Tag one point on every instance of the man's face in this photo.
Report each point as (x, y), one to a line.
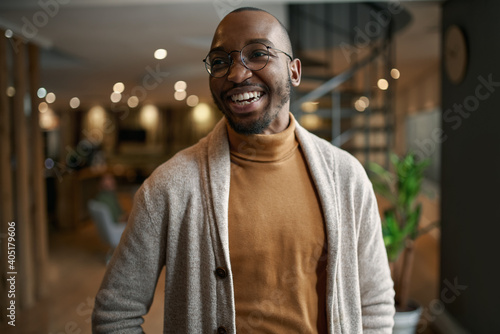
(267, 111)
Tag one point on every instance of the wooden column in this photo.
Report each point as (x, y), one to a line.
(24, 241)
(6, 200)
(66, 209)
(39, 209)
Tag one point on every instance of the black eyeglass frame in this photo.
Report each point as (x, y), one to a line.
(241, 59)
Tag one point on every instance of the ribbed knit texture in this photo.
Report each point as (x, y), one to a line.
(277, 242)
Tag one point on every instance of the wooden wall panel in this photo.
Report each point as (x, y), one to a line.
(25, 281)
(39, 208)
(6, 200)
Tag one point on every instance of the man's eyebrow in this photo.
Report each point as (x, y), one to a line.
(218, 48)
(261, 40)
(255, 40)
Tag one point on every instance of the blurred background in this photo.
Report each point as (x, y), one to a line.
(94, 95)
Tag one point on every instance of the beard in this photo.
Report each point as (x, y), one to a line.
(258, 126)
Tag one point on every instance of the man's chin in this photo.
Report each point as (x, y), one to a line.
(248, 126)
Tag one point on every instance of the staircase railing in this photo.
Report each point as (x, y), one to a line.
(332, 86)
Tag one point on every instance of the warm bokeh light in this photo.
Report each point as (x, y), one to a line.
(133, 101)
(362, 103)
(115, 97)
(365, 100)
(359, 105)
(48, 120)
(180, 95)
(95, 119)
(11, 91)
(74, 102)
(149, 116)
(160, 54)
(192, 100)
(118, 87)
(310, 122)
(9, 33)
(43, 107)
(50, 98)
(180, 86)
(383, 84)
(201, 113)
(395, 74)
(309, 106)
(41, 92)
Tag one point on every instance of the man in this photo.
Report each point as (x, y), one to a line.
(107, 195)
(262, 227)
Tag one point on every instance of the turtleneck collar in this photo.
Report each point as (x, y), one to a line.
(263, 148)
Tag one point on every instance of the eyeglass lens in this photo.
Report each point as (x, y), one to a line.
(254, 56)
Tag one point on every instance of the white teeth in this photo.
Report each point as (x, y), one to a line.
(246, 98)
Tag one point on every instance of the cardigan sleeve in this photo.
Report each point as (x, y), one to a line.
(376, 285)
(128, 287)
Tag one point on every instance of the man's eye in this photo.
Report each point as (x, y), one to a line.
(217, 62)
(259, 54)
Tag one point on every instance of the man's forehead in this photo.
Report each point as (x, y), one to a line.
(246, 26)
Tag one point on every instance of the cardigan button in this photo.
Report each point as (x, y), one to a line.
(221, 330)
(221, 272)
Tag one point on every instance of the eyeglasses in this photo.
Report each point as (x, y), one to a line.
(254, 56)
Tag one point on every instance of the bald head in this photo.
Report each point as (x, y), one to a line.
(258, 15)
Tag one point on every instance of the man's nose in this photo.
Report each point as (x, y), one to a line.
(238, 72)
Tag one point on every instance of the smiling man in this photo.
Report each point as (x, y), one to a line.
(262, 227)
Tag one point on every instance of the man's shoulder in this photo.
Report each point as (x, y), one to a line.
(184, 163)
(336, 158)
(186, 167)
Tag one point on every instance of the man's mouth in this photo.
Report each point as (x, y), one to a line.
(246, 98)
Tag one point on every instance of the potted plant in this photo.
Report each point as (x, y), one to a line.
(400, 227)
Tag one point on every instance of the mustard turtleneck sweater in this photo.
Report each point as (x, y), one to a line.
(277, 241)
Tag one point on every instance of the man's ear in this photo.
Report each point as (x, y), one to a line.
(295, 71)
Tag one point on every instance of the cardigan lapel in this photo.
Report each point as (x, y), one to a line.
(219, 167)
(321, 168)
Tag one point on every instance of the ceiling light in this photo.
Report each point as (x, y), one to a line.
(50, 98)
(180, 86)
(41, 92)
(383, 84)
(118, 87)
(192, 100)
(395, 73)
(180, 95)
(9, 33)
(160, 54)
(115, 97)
(74, 102)
(133, 101)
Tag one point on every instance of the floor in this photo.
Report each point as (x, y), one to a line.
(78, 264)
(76, 270)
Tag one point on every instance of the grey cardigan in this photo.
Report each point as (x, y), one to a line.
(180, 221)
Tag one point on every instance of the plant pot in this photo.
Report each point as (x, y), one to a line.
(406, 322)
